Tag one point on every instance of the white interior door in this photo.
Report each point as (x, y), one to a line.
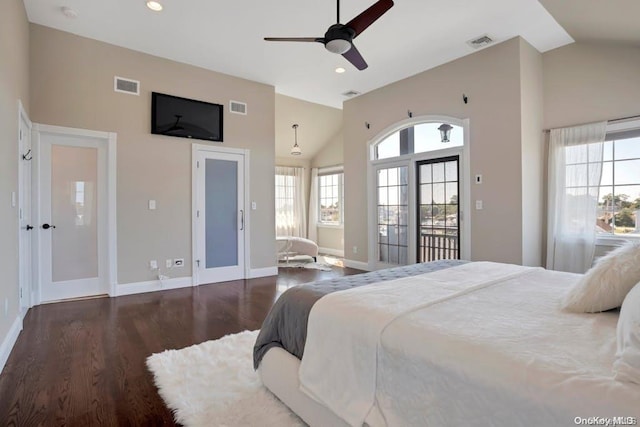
(73, 216)
(220, 220)
(25, 210)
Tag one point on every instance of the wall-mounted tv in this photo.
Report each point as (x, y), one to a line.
(185, 118)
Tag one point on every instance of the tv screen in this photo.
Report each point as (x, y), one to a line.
(185, 118)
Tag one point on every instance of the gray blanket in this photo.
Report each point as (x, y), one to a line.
(286, 324)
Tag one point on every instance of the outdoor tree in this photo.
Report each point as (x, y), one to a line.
(625, 218)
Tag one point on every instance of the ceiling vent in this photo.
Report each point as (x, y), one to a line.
(479, 42)
(120, 84)
(351, 93)
(237, 107)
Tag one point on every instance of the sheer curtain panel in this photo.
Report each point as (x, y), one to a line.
(575, 170)
(291, 217)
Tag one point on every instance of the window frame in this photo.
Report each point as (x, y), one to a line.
(612, 239)
(322, 172)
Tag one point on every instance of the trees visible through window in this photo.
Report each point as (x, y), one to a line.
(331, 199)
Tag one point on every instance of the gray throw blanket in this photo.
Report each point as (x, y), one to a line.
(286, 324)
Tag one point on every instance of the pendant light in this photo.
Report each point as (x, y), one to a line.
(296, 151)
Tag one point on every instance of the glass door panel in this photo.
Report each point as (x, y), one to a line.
(438, 209)
(393, 214)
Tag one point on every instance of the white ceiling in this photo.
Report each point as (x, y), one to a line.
(413, 36)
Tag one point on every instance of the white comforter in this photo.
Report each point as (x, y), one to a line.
(478, 344)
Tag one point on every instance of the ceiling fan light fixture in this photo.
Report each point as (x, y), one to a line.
(338, 46)
(154, 5)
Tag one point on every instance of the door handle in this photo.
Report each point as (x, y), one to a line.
(29, 227)
(47, 226)
(241, 219)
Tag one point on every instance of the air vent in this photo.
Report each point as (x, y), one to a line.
(351, 93)
(120, 84)
(237, 107)
(479, 42)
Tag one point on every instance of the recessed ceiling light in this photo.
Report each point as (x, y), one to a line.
(69, 12)
(340, 70)
(154, 5)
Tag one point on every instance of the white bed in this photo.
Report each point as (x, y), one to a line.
(479, 344)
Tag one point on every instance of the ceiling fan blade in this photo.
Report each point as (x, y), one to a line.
(353, 56)
(295, 39)
(369, 16)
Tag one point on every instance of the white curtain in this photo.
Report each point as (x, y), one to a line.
(291, 217)
(313, 206)
(575, 169)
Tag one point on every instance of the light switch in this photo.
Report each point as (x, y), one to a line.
(254, 206)
(479, 205)
(152, 205)
(13, 199)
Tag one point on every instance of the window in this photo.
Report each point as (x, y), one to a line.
(619, 189)
(420, 138)
(290, 211)
(331, 198)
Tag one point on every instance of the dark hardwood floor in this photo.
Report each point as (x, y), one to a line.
(82, 363)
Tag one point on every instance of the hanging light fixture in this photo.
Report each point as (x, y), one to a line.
(445, 132)
(295, 150)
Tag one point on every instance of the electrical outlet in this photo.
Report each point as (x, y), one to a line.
(355, 249)
(178, 262)
(168, 263)
(153, 264)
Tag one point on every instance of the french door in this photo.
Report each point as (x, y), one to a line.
(220, 217)
(438, 226)
(418, 215)
(73, 211)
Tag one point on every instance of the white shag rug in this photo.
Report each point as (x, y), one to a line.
(214, 384)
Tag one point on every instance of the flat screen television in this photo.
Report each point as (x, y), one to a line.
(185, 118)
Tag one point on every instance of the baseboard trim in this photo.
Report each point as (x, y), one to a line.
(254, 273)
(9, 341)
(153, 286)
(329, 251)
(357, 264)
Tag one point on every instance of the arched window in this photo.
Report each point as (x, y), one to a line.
(418, 138)
(418, 174)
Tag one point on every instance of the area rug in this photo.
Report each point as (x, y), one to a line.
(214, 384)
(309, 265)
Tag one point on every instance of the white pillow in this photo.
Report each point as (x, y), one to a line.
(605, 285)
(627, 364)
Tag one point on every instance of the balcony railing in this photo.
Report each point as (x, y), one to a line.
(439, 243)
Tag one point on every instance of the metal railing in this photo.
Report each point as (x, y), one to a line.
(439, 243)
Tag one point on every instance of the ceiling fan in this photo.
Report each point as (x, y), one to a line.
(339, 37)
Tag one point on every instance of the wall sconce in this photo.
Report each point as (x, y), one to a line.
(295, 150)
(445, 132)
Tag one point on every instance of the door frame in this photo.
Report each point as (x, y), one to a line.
(109, 140)
(195, 148)
(25, 296)
(411, 160)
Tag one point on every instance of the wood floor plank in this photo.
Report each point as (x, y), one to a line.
(82, 363)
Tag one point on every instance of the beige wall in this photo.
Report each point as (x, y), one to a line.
(491, 80)
(72, 85)
(586, 82)
(531, 103)
(14, 86)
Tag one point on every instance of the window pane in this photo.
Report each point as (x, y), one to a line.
(382, 177)
(627, 148)
(438, 172)
(608, 151)
(425, 173)
(382, 196)
(392, 176)
(393, 234)
(627, 172)
(425, 194)
(576, 175)
(607, 173)
(438, 193)
(393, 195)
(390, 147)
(452, 193)
(451, 171)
